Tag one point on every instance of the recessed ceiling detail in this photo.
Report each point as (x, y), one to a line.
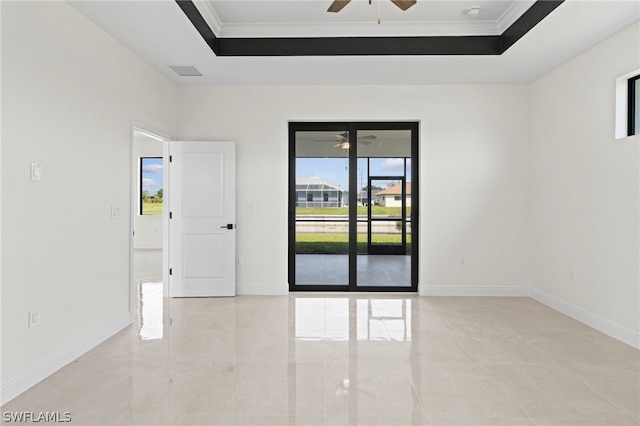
(217, 21)
(160, 33)
(308, 18)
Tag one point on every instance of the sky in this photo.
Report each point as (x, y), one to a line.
(333, 170)
(336, 170)
(151, 175)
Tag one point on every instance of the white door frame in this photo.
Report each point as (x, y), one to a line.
(164, 138)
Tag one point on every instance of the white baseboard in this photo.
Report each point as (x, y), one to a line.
(55, 362)
(610, 328)
(494, 291)
(262, 289)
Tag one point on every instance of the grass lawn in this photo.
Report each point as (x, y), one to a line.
(335, 243)
(151, 208)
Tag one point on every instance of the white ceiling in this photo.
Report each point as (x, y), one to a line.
(160, 33)
(309, 18)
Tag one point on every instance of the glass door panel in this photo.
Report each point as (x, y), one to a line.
(321, 208)
(384, 225)
(386, 217)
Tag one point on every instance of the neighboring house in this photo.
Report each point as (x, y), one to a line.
(392, 196)
(363, 198)
(317, 192)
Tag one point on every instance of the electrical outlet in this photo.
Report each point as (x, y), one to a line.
(34, 319)
(36, 172)
(463, 262)
(572, 276)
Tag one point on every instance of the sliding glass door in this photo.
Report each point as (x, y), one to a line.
(319, 207)
(352, 206)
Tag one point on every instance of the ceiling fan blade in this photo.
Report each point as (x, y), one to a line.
(337, 5)
(404, 4)
(339, 138)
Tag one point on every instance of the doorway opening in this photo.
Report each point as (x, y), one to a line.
(353, 197)
(149, 223)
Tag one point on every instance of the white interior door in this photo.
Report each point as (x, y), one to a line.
(202, 236)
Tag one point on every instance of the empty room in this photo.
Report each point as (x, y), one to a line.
(372, 212)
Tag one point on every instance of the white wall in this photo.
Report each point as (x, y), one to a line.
(148, 228)
(475, 183)
(69, 95)
(494, 161)
(586, 189)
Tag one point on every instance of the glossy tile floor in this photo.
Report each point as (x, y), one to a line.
(342, 359)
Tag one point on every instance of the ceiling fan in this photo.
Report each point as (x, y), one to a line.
(343, 140)
(338, 5)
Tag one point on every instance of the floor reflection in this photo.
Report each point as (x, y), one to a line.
(361, 348)
(321, 319)
(385, 319)
(149, 289)
(340, 319)
(150, 311)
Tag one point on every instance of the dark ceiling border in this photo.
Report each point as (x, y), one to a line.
(339, 46)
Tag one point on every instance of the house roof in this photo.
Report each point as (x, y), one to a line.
(315, 183)
(395, 190)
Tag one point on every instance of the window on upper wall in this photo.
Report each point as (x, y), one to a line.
(151, 185)
(633, 108)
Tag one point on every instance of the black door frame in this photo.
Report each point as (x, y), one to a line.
(353, 128)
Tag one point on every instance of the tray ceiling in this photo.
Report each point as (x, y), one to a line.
(309, 18)
(160, 33)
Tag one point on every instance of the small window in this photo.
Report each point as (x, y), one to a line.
(633, 109)
(325, 196)
(151, 185)
(309, 196)
(397, 197)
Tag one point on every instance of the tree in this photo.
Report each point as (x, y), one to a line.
(373, 188)
(159, 194)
